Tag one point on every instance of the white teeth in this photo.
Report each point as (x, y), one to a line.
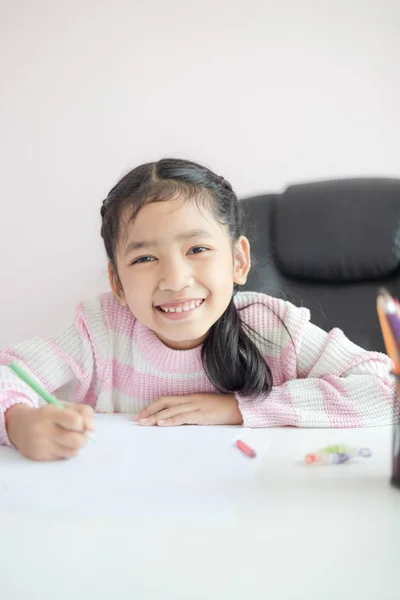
(185, 307)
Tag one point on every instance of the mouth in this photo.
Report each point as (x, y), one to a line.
(180, 310)
(179, 307)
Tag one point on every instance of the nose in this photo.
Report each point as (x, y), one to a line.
(176, 275)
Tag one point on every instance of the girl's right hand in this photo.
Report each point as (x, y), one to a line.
(49, 432)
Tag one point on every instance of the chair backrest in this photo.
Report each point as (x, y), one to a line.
(329, 246)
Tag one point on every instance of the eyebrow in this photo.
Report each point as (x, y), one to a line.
(139, 245)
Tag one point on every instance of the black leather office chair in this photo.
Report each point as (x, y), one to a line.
(329, 246)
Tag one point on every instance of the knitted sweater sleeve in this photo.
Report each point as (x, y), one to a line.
(63, 364)
(323, 379)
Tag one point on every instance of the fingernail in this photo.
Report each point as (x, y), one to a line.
(90, 424)
(143, 421)
(160, 422)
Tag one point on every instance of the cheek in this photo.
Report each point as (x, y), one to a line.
(135, 286)
(219, 274)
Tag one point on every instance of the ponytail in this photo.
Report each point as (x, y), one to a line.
(231, 360)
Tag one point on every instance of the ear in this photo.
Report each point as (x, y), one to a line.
(116, 285)
(242, 260)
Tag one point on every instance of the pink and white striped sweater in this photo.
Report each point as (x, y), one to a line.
(111, 361)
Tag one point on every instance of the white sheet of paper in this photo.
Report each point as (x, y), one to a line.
(134, 470)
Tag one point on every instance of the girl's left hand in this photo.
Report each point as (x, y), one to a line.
(195, 409)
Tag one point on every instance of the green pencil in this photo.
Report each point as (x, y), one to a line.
(39, 389)
(35, 385)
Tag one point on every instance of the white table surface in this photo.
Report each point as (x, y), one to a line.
(319, 533)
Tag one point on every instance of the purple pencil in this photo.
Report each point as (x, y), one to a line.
(392, 314)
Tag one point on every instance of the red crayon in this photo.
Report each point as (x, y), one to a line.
(246, 449)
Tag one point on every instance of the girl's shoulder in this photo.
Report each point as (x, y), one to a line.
(264, 313)
(104, 310)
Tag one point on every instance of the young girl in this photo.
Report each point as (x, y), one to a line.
(174, 344)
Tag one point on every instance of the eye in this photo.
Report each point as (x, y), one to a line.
(197, 250)
(143, 259)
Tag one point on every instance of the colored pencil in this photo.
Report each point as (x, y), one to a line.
(389, 339)
(245, 448)
(391, 313)
(39, 389)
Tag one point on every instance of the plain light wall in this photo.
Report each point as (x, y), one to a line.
(266, 93)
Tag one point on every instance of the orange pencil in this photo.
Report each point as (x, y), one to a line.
(392, 348)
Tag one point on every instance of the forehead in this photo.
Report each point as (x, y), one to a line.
(166, 219)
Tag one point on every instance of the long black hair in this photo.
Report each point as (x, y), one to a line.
(231, 359)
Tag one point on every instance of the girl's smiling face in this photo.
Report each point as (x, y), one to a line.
(176, 269)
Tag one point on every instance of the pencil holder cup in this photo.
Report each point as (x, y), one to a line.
(396, 436)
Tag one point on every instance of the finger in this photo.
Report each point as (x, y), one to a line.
(190, 418)
(167, 413)
(67, 418)
(160, 404)
(87, 413)
(64, 452)
(69, 439)
(46, 456)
